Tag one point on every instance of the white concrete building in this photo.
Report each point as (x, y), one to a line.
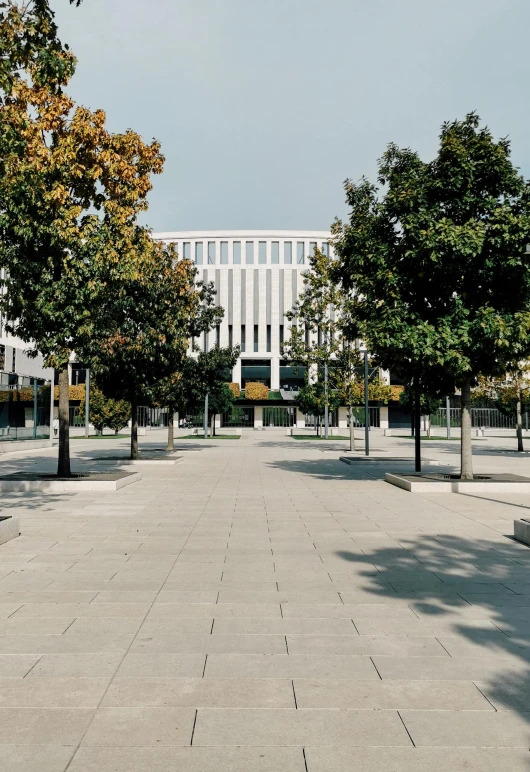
(258, 278)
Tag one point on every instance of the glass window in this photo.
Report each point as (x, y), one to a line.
(218, 335)
(224, 252)
(236, 255)
(243, 338)
(2, 357)
(211, 253)
(269, 338)
(249, 252)
(262, 252)
(256, 337)
(14, 363)
(275, 252)
(186, 250)
(198, 253)
(230, 336)
(288, 252)
(325, 248)
(281, 334)
(312, 247)
(300, 252)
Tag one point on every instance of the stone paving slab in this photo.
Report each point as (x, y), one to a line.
(265, 607)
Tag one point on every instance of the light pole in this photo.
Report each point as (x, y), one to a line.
(205, 422)
(366, 407)
(326, 409)
(448, 416)
(87, 403)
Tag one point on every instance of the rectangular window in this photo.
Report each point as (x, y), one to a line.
(275, 252)
(307, 338)
(236, 253)
(186, 250)
(218, 335)
(325, 248)
(312, 247)
(230, 336)
(14, 363)
(249, 252)
(300, 256)
(198, 253)
(256, 337)
(206, 341)
(262, 252)
(2, 357)
(269, 338)
(211, 253)
(224, 252)
(243, 338)
(288, 252)
(281, 335)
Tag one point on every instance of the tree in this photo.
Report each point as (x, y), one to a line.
(324, 334)
(313, 398)
(428, 404)
(209, 373)
(438, 265)
(510, 394)
(69, 195)
(105, 411)
(148, 321)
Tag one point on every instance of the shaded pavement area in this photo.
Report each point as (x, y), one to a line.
(262, 606)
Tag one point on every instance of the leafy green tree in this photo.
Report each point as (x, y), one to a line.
(438, 264)
(148, 320)
(209, 373)
(70, 192)
(105, 411)
(318, 337)
(312, 399)
(428, 404)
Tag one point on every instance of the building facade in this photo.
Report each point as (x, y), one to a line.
(258, 279)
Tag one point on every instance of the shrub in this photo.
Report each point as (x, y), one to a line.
(234, 388)
(256, 391)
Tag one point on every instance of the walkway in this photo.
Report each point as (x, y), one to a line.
(262, 608)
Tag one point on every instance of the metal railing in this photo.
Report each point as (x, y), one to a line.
(481, 417)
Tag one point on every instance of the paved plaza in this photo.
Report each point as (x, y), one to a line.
(263, 607)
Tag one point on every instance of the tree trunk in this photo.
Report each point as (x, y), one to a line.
(520, 446)
(417, 430)
(352, 431)
(429, 427)
(63, 464)
(466, 460)
(134, 428)
(212, 420)
(170, 431)
(412, 423)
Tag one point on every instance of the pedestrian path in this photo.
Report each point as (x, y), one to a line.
(263, 607)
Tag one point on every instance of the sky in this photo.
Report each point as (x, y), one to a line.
(265, 107)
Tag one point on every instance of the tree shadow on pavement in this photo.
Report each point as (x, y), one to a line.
(478, 589)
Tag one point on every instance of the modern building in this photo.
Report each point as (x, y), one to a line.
(258, 278)
(24, 391)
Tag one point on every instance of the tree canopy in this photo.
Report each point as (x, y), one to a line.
(434, 263)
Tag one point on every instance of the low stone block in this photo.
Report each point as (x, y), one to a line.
(51, 484)
(521, 531)
(9, 528)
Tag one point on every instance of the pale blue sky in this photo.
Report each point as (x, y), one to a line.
(264, 107)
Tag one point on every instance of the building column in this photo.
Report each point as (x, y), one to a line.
(383, 417)
(275, 373)
(258, 417)
(300, 419)
(343, 417)
(236, 374)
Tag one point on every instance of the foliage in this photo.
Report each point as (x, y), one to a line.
(256, 391)
(235, 389)
(428, 404)
(220, 400)
(105, 411)
(70, 192)
(312, 399)
(438, 262)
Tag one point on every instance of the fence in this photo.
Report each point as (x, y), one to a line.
(481, 417)
(279, 416)
(240, 417)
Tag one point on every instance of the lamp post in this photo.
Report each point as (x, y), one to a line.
(87, 403)
(448, 416)
(205, 422)
(326, 409)
(366, 407)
